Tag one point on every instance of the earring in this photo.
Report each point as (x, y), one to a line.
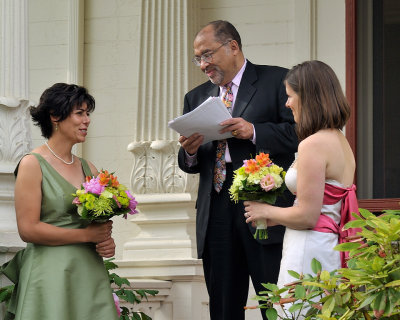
(56, 126)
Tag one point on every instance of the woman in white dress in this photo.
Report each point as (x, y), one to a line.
(325, 166)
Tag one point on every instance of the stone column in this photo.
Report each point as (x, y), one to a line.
(15, 138)
(165, 247)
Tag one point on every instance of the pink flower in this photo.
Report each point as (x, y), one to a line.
(267, 183)
(94, 186)
(132, 203)
(116, 301)
(76, 201)
(116, 200)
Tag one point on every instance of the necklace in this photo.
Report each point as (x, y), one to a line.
(59, 158)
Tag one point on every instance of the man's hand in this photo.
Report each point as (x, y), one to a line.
(191, 144)
(240, 128)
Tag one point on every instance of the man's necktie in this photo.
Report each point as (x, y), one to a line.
(220, 164)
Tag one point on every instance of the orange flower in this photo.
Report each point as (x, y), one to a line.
(251, 166)
(104, 178)
(114, 181)
(263, 159)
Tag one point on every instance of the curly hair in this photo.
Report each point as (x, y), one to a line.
(59, 101)
(323, 104)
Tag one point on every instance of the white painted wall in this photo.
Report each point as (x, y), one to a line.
(265, 27)
(48, 49)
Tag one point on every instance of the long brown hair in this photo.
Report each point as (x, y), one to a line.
(322, 102)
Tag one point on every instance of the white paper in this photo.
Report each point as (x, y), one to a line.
(205, 120)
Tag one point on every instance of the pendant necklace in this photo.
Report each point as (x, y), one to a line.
(59, 158)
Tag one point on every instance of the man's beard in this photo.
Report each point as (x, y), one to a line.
(218, 76)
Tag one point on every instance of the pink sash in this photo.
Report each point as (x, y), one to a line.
(332, 195)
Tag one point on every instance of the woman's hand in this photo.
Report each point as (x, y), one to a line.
(99, 232)
(106, 249)
(257, 211)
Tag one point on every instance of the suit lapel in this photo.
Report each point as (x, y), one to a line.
(246, 90)
(213, 91)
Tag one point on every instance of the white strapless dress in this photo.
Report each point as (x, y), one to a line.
(301, 246)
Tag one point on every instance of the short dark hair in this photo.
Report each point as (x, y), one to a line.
(59, 101)
(323, 104)
(224, 31)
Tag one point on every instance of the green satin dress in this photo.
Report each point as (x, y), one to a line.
(67, 282)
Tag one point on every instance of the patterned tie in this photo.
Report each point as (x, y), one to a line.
(220, 164)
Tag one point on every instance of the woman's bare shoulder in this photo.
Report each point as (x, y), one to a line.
(29, 160)
(29, 169)
(320, 139)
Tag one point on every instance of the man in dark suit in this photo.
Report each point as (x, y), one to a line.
(260, 122)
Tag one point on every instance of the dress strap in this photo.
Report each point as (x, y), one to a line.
(86, 168)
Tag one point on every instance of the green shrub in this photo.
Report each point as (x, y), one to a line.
(368, 289)
(126, 294)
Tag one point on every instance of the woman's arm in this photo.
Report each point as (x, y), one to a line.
(28, 197)
(311, 167)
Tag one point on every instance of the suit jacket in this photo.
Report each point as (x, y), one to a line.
(261, 101)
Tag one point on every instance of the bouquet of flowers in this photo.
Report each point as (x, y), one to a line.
(102, 197)
(261, 180)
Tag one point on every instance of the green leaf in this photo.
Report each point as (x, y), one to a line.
(271, 314)
(136, 316)
(315, 266)
(109, 264)
(365, 213)
(294, 274)
(325, 275)
(300, 292)
(368, 300)
(120, 281)
(394, 283)
(270, 286)
(151, 292)
(347, 246)
(355, 224)
(328, 305)
(315, 284)
(129, 296)
(296, 307)
(377, 302)
(6, 293)
(145, 316)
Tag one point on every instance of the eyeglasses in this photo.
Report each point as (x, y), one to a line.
(208, 56)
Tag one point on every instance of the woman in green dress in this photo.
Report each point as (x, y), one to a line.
(60, 273)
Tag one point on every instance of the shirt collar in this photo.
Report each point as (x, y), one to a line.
(236, 80)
